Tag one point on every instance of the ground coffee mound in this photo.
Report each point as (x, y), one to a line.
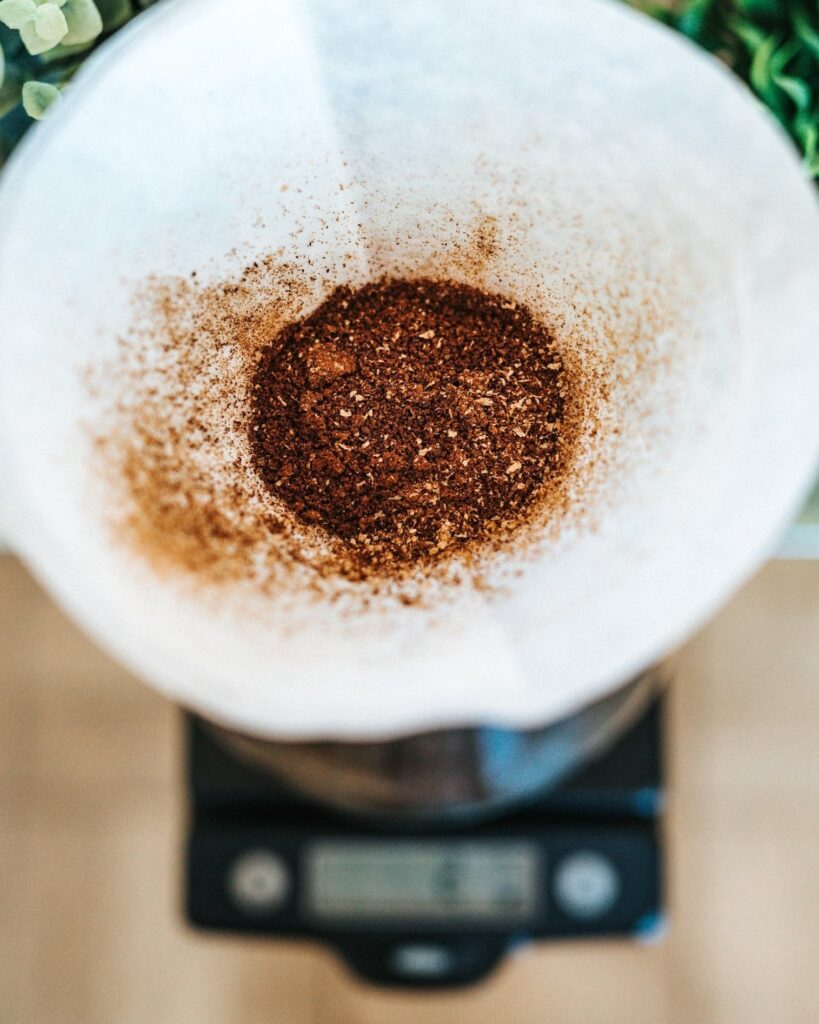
(408, 417)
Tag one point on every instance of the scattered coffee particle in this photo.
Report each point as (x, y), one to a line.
(325, 361)
(409, 418)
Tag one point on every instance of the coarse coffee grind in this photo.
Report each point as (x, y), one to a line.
(409, 418)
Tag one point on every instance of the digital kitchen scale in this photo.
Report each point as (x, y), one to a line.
(435, 905)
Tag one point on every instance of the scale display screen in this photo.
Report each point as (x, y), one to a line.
(441, 882)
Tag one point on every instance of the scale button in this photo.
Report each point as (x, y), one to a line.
(258, 881)
(586, 885)
(416, 960)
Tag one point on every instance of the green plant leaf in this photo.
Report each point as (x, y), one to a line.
(806, 32)
(114, 13)
(760, 73)
(760, 8)
(60, 52)
(750, 35)
(692, 20)
(84, 21)
(15, 13)
(798, 91)
(792, 85)
(33, 41)
(50, 23)
(806, 128)
(784, 55)
(38, 97)
(809, 137)
(9, 96)
(2, 66)
(655, 10)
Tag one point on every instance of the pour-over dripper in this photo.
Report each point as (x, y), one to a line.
(624, 183)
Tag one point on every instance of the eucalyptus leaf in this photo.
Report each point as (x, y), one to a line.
(15, 13)
(38, 97)
(32, 39)
(84, 21)
(50, 23)
(60, 52)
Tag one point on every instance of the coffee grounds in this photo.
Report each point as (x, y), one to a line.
(409, 418)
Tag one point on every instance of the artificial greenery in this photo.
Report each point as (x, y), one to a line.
(772, 44)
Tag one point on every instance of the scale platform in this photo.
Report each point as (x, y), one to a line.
(437, 906)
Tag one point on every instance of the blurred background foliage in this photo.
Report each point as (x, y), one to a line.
(772, 44)
(42, 45)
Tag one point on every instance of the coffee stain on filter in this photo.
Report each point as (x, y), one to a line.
(172, 444)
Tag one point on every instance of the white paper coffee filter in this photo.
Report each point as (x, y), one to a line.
(626, 187)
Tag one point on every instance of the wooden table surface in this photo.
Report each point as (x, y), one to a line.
(91, 818)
